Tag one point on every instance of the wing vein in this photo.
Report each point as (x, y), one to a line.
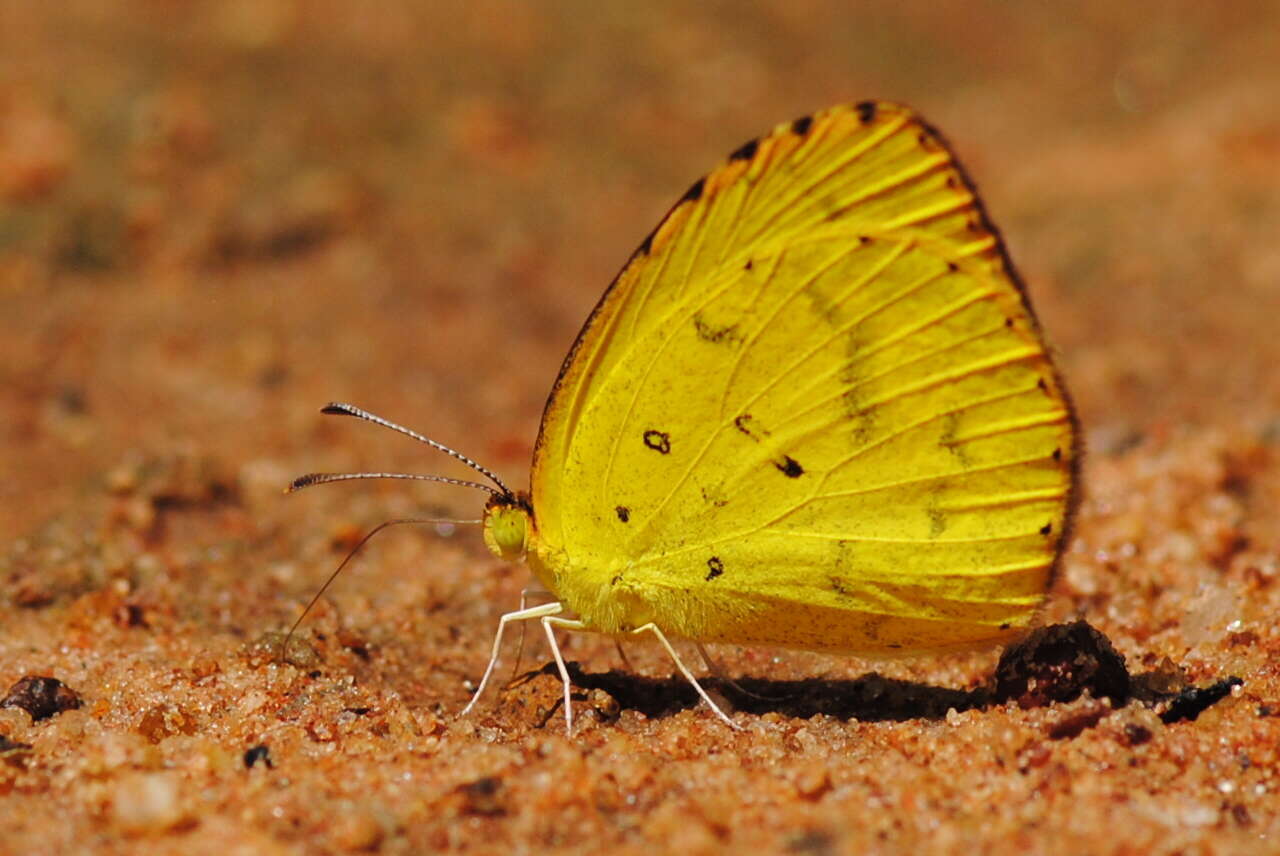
(769, 222)
(929, 479)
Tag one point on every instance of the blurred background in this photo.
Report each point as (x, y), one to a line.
(216, 216)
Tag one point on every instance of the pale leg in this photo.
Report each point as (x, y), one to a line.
(547, 613)
(622, 655)
(525, 595)
(714, 668)
(539, 611)
(570, 624)
(567, 624)
(684, 670)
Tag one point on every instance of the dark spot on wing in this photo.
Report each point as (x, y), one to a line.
(746, 151)
(659, 441)
(749, 425)
(790, 467)
(1046, 529)
(715, 568)
(937, 523)
(1044, 387)
(871, 626)
(863, 419)
(1008, 322)
(840, 587)
(1005, 626)
(694, 192)
(846, 555)
(952, 267)
(713, 496)
(624, 513)
(748, 265)
(800, 126)
(1057, 454)
(727, 334)
(616, 579)
(948, 438)
(866, 110)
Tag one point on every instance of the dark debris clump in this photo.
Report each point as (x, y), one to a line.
(41, 697)
(258, 754)
(7, 745)
(1057, 664)
(1193, 701)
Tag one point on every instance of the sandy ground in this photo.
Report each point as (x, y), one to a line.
(217, 216)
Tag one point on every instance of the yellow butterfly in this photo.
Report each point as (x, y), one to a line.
(814, 410)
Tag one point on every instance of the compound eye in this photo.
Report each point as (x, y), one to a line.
(506, 531)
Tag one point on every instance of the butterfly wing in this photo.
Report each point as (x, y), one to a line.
(815, 409)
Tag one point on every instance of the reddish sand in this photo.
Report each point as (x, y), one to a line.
(217, 216)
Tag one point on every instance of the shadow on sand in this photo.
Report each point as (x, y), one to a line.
(1052, 664)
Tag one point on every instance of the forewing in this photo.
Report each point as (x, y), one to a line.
(818, 386)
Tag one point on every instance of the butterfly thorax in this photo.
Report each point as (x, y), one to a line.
(511, 533)
(594, 589)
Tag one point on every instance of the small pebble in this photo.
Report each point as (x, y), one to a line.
(358, 830)
(165, 720)
(256, 754)
(812, 781)
(41, 697)
(147, 802)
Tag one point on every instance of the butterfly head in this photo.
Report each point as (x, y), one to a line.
(508, 524)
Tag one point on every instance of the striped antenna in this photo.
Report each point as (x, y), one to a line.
(324, 478)
(343, 409)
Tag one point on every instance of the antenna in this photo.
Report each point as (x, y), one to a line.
(324, 478)
(284, 646)
(344, 409)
